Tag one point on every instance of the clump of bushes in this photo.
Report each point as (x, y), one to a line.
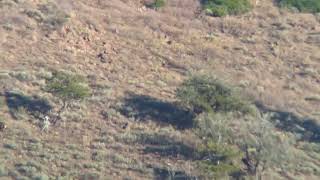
(309, 6)
(67, 88)
(226, 7)
(232, 143)
(240, 145)
(218, 157)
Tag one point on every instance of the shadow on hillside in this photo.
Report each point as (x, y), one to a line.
(143, 107)
(287, 121)
(164, 145)
(171, 150)
(32, 105)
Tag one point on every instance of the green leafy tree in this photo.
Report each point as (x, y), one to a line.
(251, 141)
(68, 88)
(218, 157)
(263, 146)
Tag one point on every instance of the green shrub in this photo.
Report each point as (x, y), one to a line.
(218, 157)
(214, 126)
(256, 138)
(218, 160)
(310, 6)
(206, 94)
(158, 4)
(217, 171)
(68, 88)
(264, 147)
(226, 7)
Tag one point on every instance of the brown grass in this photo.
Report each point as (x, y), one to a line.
(273, 53)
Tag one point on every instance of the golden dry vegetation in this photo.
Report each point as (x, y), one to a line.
(134, 58)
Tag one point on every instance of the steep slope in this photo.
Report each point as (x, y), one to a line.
(123, 47)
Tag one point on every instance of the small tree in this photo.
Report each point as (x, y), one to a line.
(218, 161)
(218, 157)
(229, 140)
(68, 88)
(263, 146)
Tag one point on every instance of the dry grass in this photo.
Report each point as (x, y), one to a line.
(272, 53)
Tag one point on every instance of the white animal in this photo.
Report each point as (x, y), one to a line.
(46, 124)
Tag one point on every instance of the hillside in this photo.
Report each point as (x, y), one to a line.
(135, 58)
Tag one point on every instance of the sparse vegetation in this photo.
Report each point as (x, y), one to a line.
(226, 7)
(218, 157)
(29, 169)
(48, 15)
(40, 177)
(309, 6)
(21, 76)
